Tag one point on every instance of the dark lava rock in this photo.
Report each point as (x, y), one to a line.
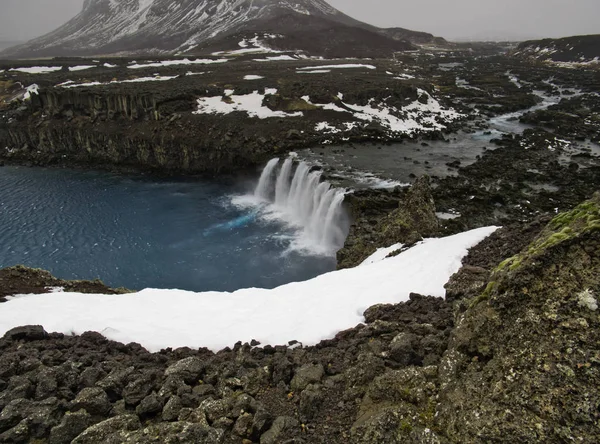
(94, 400)
(412, 218)
(27, 333)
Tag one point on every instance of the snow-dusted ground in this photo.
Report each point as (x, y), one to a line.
(37, 69)
(252, 104)
(253, 77)
(81, 67)
(251, 46)
(176, 62)
(71, 84)
(305, 311)
(315, 71)
(31, 89)
(414, 117)
(283, 57)
(340, 66)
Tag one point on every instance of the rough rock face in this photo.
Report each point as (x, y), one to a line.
(412, 219)
(523, 362)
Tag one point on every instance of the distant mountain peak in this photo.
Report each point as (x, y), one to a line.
(168, 26)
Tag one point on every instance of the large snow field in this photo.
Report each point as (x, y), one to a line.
(307, 311)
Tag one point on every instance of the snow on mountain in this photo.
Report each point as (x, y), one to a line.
(307, 311)
(167, 26)
(583, 49)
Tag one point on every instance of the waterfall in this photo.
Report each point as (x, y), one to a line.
(298, 194)
(264, 183)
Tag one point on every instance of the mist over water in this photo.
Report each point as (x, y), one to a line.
(139, 232)
(296, 195)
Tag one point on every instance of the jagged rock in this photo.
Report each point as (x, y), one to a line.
(467, 280)
(137, 390)
(27, 333)
(90, 376)
(172, 408)
(71, 426)
(278, 430)
(149, 406)
(189, 369)
(261, 422)
(412, 219)
(110, 431)
(177, 433)
(116, 380)
(215, 409)
(307, 374)
(243, 425)
(402, 349)
(39, 416)
(94, 400)
(17, 434)
(47, 384)
(310, 402)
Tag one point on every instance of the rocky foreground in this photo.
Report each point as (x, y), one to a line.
(511, 355)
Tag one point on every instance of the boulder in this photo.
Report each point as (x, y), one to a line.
(307, 374)
(94, 400)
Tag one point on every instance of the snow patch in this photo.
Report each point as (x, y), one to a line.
(417, 116)
(275, 58)
(316, 71)
(308, 311)
(81, 67)
(176, 62)
(31, 89)
(253, 77)
(70, 84)
(37, 69)
(341, 66)
(252, 104)
(380, 254)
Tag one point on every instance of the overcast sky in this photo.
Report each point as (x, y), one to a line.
(452, 19)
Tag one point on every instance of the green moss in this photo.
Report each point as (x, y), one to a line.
(565, 226)
(505, 263)
(586, 213)
(405, 427)
(485, 295)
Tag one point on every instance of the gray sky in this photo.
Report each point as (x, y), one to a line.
(452, 19)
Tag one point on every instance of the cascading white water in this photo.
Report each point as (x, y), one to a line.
(299, 195)
(264, 183)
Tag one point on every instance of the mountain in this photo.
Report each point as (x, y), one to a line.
(576, 49)
(171, 26)
(416, 37)
(8, 44)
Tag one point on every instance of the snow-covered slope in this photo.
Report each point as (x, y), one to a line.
(129, 26)
(577, 49)
(305, 311)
